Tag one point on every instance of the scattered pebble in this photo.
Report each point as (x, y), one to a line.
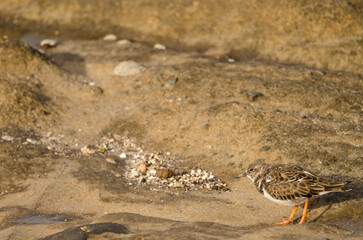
(110, 160)
(33, 141)
(48, 43)
(110, 37)
(123, 42)
(102, 149)
(265, 148)
(206, 126)
(316, 74)
(87, 151)
(85, 229)
(253, 95)
(156, 169)
(127, 68)
(142, 168)
(159, 46)
(164, 173)
(171, 81)
(7, 138)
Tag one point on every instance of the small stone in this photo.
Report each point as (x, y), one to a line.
(134, 173)
(206, 126)
(48, 43)
(253, 95)
(164, 173)
(265, 148)
(110, 160)
(7, 138)
(87, 151)
(110, 37)
(102, 149)
(127, 68)
(141, 180)
(156, 164)
(85, 229)
(159, 46)
(230, 60)
(123, 42)
(171, 81)
(142, 168)
(123, 155)
(33, 141)
(316, 74)
(118, 175)
(178, 185)
(227, 155)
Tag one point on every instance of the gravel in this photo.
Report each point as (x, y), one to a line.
(153, 168)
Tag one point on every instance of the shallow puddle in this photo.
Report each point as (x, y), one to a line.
(41, 218)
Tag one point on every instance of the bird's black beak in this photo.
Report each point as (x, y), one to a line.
(244, 174)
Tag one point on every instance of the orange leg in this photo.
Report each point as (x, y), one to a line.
(289, 220)
(304, 216)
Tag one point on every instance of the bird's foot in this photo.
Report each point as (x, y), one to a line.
(284, 222)
(304, 218)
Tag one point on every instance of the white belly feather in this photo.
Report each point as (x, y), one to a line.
(284, 202)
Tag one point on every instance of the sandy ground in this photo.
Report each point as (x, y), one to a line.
(192, 109)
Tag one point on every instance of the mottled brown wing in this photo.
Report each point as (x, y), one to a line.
(286, 182)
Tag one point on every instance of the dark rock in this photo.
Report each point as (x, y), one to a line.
(207, 126)
(76, 233)
(265, 148)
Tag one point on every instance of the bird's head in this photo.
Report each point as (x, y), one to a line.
(253, 171)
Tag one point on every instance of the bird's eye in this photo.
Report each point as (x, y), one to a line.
(251, 169)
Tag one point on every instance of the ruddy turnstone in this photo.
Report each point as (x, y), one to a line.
(288, 185)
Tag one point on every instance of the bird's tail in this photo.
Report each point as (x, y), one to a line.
(334, 187)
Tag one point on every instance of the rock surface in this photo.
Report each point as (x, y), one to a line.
(319, 34)
(69, 128)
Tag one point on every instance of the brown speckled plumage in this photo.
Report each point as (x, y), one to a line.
(288, 185)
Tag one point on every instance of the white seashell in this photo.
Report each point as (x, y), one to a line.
(48, 43)
(110, 160)
(159, 46)
(110, 37)
(7, 138)
(127, 68)
(123, 42)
